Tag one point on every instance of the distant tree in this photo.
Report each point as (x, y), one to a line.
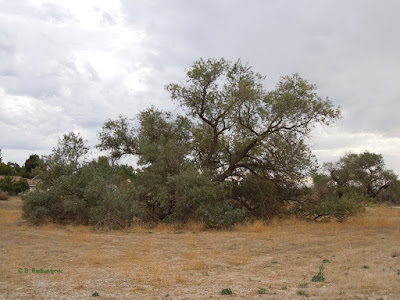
(364, 172)
(1, 158)
(16, 167)
(65, 159)
(10, 185)
(6, 170)
(30, 164)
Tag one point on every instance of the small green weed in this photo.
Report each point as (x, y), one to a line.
(326, 261)
(365, 267)
(178, 232)
(320, 276)
(284, 287)
(262, 291)
(398, 272)
(226, 292)
(395, 254)
(302, 293)
(303, 285)
(95, 294)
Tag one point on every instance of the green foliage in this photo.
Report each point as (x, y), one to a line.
(41, 205)
(6, 170)
(15, 167)
(238, 143)
(331, 206)
(93, 193)
(320, 276)
(10, 185)
(302, 293)
(226, 292)
(261, 291)
(239, 150)
(364, 173)
(30, 164)
(95, 294)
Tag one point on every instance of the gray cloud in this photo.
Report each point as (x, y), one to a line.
(74, 65)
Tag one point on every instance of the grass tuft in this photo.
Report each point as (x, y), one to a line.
(226, 292)
(320, 276)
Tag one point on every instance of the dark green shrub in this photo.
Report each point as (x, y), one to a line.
(262, 291)
(94, 194)
(41, 205)
(332, 206)
(226, 292)
(10, 185)
(220, 214)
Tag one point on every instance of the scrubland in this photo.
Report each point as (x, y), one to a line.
(278, 260)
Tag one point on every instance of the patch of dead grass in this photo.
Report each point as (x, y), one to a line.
(135, 264)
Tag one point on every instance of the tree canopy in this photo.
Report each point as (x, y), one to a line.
(364, 172)
(236, 150)
(234, 130)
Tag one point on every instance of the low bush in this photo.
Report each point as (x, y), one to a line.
(4, 196)
(94, 195)
(331, 206)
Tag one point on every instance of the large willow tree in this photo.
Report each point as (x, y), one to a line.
(236, 136)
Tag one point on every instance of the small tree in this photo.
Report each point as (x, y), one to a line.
(6, 169)
(30, 164)
(364, 172)
(11, 186)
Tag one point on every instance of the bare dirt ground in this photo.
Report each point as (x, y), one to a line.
(361, 259)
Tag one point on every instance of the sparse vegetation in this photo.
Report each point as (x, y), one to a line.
(320, 276)
(227, 291)
(302, 293)
(4, 196)
(136, 259)
(303, 285)
(261, 291)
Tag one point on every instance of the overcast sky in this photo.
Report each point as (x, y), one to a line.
(71, 65)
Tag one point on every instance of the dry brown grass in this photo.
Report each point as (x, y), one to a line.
(193, 263)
